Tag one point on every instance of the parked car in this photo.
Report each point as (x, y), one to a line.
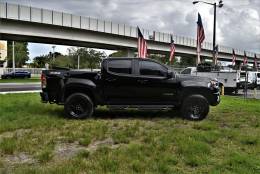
(16, 74)
(129, 83)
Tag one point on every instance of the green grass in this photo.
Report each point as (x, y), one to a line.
(26, 80)
(227, 141)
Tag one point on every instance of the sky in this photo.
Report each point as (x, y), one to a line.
(238, 21)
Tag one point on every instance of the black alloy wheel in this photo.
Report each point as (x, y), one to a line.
(79, 106)
(195, 107)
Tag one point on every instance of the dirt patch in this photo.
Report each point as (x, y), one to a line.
(6, 135)
(68, 150)
(62, 151)
(96, 144)
(18, 133)
(21, 158)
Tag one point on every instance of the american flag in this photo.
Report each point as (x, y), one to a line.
(172, 54)
(200, 33)
(256, 64)
(234, 58)
(245, 58)
(142, 45)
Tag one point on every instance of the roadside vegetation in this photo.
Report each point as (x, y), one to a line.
(27, 80)
(36, 138)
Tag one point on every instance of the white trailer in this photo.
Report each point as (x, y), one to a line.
(228, 78)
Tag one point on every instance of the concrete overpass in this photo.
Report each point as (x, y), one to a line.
(23, 23)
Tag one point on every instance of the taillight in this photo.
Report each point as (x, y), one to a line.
(43, 81)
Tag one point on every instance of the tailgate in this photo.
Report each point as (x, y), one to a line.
(52, 85)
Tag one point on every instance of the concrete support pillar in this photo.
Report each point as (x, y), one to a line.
(130, 53)
(13, 58)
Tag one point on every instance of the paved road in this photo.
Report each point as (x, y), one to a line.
(4, 87)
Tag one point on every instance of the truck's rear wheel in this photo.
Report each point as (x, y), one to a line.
(79, 106)
(195, 107)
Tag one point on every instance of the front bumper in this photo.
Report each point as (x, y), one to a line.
(216, 99)
(44, 97)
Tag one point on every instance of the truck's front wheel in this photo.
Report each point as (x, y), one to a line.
(195, 107)
(78, 106)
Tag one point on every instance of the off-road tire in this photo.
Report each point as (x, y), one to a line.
(78, 106)
(195, 107)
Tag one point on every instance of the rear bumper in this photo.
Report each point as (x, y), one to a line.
(44, 97)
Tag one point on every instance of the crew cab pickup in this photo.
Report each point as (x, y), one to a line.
(129, 83)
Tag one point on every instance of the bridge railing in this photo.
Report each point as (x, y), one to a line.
(44, 16)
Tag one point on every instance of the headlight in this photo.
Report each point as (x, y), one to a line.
(213, 84)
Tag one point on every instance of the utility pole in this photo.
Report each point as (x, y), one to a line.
(13, 58)
(78, 54)
(78, 60)
(214, 36)
(53, 55)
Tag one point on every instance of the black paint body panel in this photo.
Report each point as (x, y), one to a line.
(111, 88)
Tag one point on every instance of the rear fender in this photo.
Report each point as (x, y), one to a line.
(79, 85)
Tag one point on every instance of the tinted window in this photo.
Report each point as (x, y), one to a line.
(186, 71)
(120, 66)
(258, 75)
(152, 69)
(242, 74)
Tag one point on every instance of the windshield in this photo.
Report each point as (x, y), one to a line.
(186, 71)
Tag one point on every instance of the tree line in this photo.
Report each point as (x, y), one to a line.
(88, 58)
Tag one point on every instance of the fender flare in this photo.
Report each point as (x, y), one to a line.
(85, 84)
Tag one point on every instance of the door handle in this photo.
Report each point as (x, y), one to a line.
(110, 79)
(142, 81)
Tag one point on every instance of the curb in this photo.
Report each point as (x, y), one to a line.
(20, 92)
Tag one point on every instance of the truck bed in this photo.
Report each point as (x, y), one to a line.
(57, 79)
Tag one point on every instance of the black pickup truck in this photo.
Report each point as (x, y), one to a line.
(129, 83)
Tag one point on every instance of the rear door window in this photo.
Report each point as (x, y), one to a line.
(148, 68)
(120, 66)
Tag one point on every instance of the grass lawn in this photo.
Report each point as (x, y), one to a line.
(30, 80)
(36, 138)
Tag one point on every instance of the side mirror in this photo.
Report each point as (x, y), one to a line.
(169, 74)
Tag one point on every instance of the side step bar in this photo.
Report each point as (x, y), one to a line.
(141, 107)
